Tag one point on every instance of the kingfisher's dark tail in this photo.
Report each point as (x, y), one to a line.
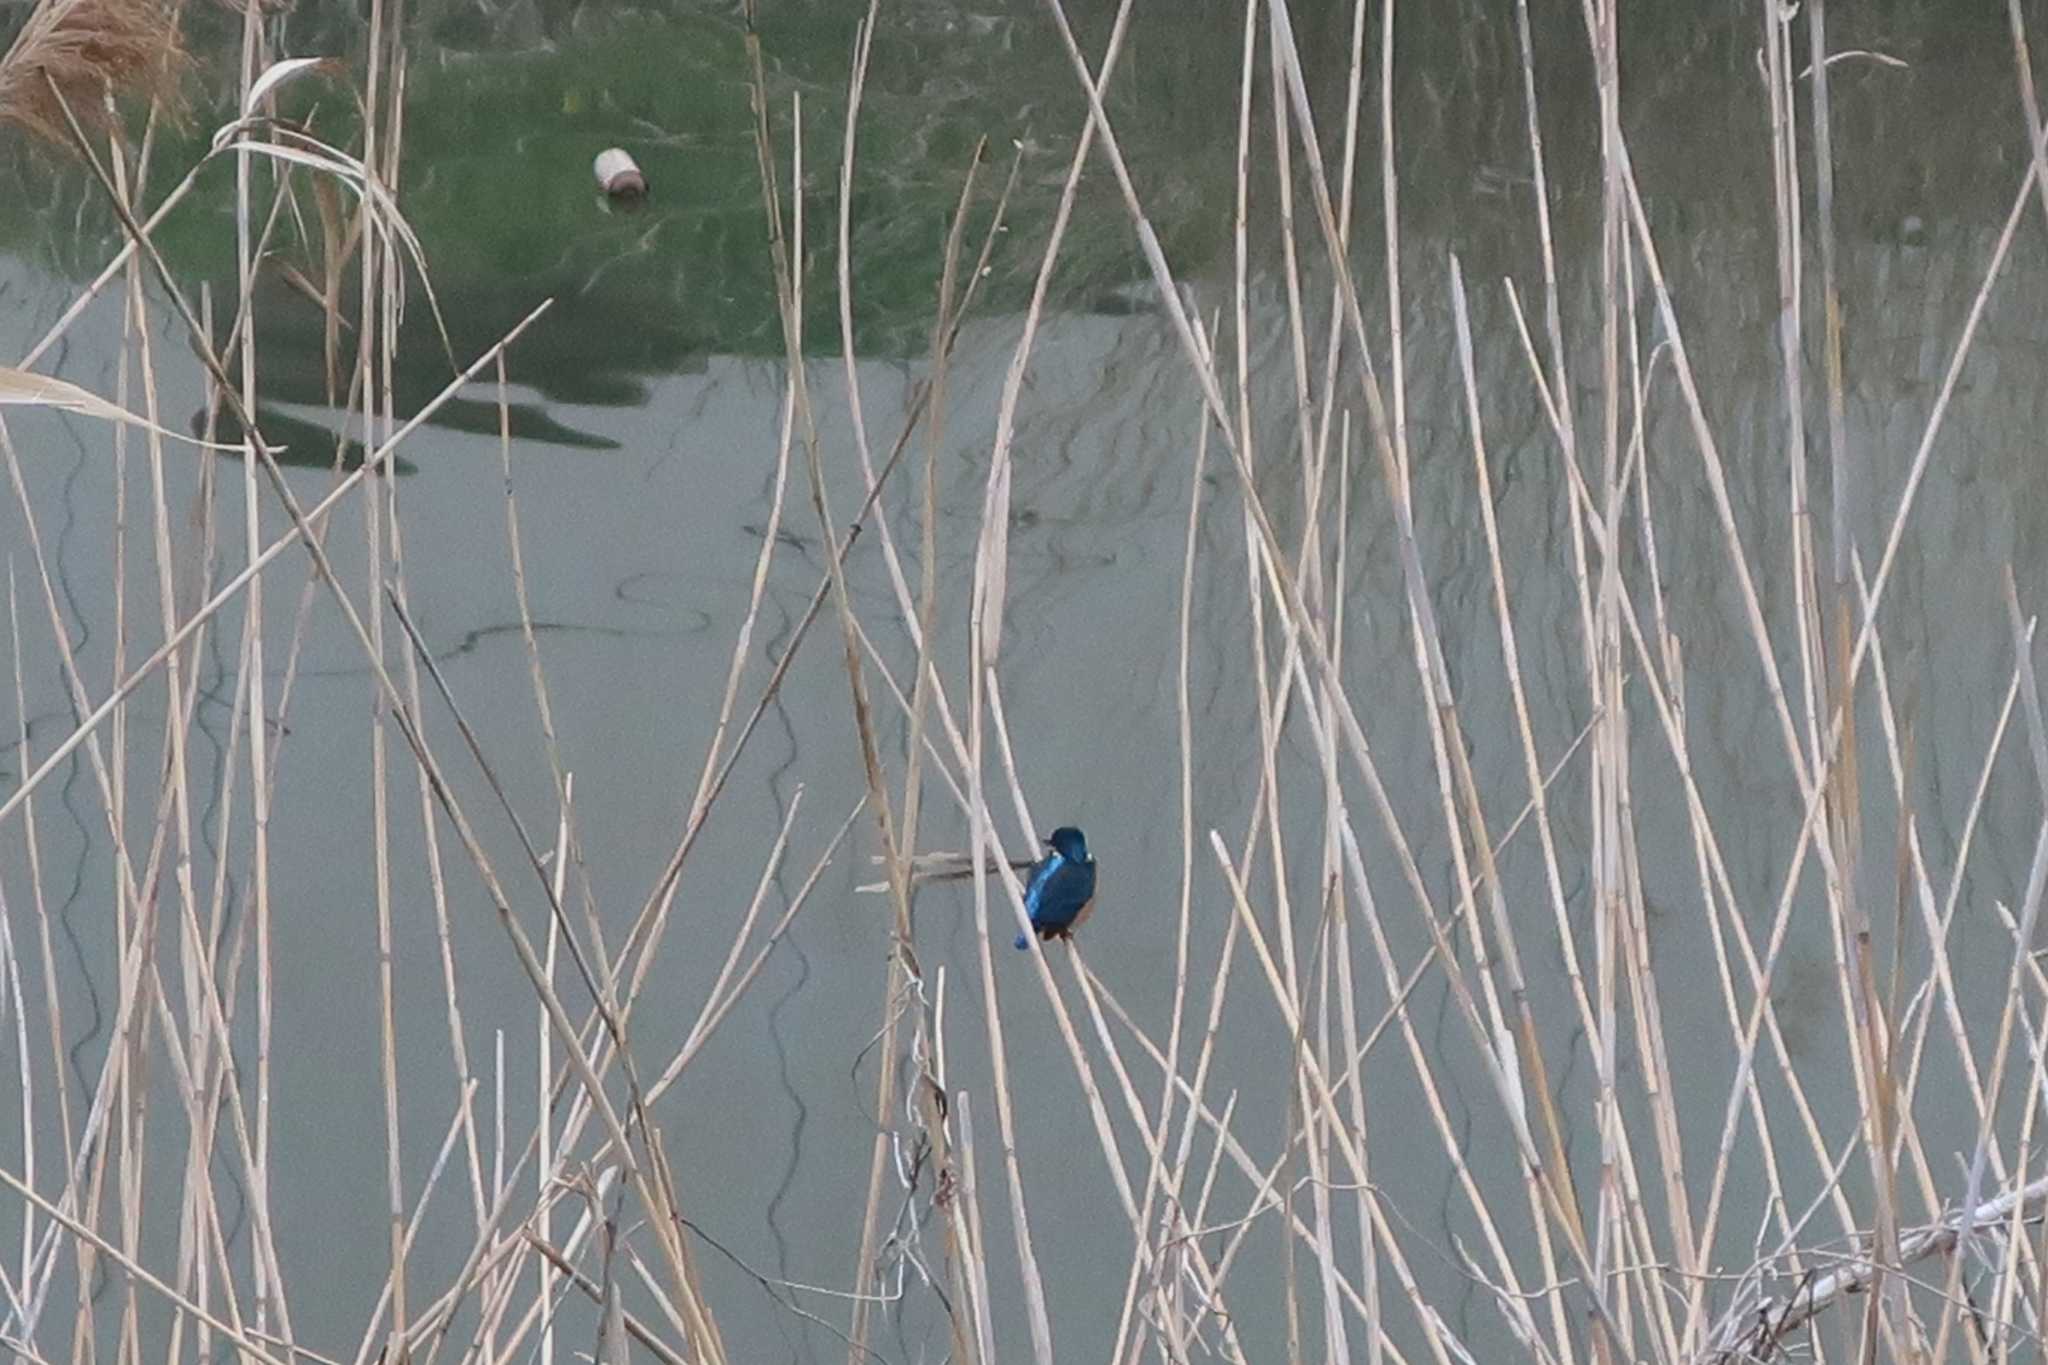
(1022, 943)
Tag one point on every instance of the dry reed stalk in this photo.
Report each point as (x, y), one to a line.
(1714, 877)
(1267, 818)
(1532, 766)
(115, 1087)
(1771, 1322)
(1197, 350)
(985, 635)
(386, 576)
(713, 786)
(666, 1224)
(648, 925)
(898, 860)
(1868, 1044)
(984, 639)
(168, 655)
(719, 1004)
(673, 1250)
(1446, 727)
(1613, 485)
(904, 970)
(1332, 937)
(1543, 1190)
(631, 1323)
(863, 44)
(960, 747)
(1348, 1143)
(458, 1042)
(1157, 1175)
(83, 732)
(52, 1005)
(963, 1257)
(1693, 408)
(210, 1056)
(1311, 567)
(569, 844)
(1190, 340)
(258, 713)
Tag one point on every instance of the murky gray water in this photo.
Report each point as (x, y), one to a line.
(644, 470)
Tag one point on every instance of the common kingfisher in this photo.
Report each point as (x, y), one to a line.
(1060, 891)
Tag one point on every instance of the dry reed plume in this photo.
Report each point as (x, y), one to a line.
(87, 53)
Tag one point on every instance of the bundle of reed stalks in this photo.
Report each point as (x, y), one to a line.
(1638, 1203)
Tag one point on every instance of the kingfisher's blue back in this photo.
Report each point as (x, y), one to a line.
(1060, 891)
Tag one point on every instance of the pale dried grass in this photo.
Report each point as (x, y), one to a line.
(89, 54)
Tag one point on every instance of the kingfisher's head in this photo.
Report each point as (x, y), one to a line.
(1069, 843)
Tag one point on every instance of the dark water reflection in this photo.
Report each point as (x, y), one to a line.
(649, 404)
